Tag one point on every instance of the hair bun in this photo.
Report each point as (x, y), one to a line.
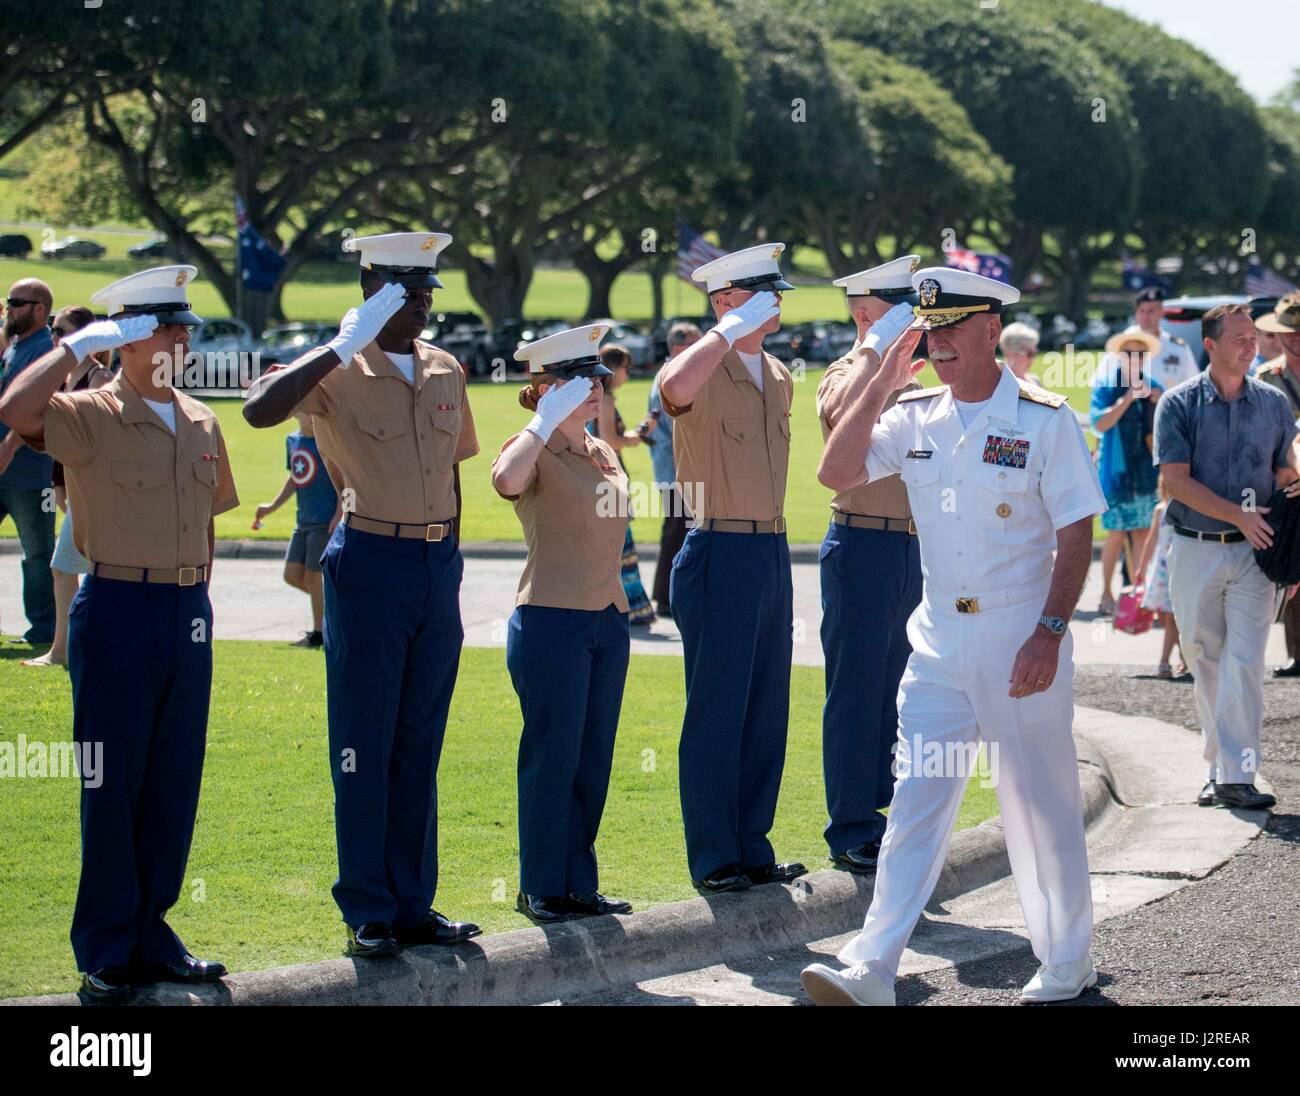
(528, 397)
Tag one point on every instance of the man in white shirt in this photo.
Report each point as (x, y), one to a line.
(1003, 493)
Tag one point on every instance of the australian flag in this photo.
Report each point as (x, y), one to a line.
(997, 267)
(260, 265)
(1135, 276)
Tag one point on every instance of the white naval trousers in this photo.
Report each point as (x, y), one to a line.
(954, 692)
(1224, 604)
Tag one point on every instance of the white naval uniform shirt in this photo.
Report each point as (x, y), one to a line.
(987, 498)
(1174, 364)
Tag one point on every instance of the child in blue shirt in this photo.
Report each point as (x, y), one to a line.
(318, 514)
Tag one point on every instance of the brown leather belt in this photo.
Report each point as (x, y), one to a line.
(182, 576)
(435, 531)
(870, 521)
(736, 525)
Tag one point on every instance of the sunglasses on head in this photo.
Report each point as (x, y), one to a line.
(18, 302)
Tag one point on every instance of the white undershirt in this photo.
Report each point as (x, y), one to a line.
(969, 411)
(404, 362)
(165, 411)
(754, 363)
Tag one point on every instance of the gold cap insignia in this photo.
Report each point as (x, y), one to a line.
(776, 252)
(429, 244)
(914, 266)
(596, 335)
(929, 292)
(180, 278)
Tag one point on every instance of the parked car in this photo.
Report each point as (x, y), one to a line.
(638, 344)
(72, 248)
(151, 249)
(1093, 336)
(1182, 316)
(839, 341)
(501, 342)
(224, 343)
(15, 246)
(285, 342)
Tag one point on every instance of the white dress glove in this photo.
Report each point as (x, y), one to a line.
(103, 335)
(749, 317)
(885, 331)
(361, 325)
(557, 404)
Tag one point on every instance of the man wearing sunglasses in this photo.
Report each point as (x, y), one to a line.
(25, 473)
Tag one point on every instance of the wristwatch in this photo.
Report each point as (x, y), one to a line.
(1053, 624)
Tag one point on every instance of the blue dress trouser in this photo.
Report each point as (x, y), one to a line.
(871, 583)
(392, 648)
(732, 597)
(568, 667)
(140, 659)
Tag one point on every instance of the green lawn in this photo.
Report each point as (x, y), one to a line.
(257, 886)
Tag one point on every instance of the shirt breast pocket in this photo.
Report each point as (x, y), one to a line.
(919, 474)
(141, 495)
(387, 456)
(740, 451)
(1003, 499)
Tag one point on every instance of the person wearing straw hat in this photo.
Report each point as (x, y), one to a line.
(731, 589)
(146, 470)
(1003, 492)
(392, 413)
(1123, 417)
(568, 639)
(870, 583)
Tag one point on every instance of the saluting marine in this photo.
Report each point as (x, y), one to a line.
(871, 581)
(391, 412)
(567, 647)
(146, 471)
(731, 589)
(999, 478)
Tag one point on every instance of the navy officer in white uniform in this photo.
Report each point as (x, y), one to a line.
(1003, 493)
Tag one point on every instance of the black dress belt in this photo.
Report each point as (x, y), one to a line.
(1227, 537)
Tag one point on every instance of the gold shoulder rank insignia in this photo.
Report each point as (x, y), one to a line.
(923, 393)
(1176, 340)
(1041, 395)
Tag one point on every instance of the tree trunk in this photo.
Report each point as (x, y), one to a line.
(255, 310)
(659, 268)
(499, 287)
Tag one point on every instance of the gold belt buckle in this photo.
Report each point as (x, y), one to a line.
(779, 525)
(968, 605)
(911, 526)
(191, 572)
(429, 530)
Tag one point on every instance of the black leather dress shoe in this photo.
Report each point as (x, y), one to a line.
(107, 984)
(1245, 796)
(775, 873)
(592, 904)
(861, 861)
(434, 928)
(723, 880)
(186, 969)
(1206, 796)
(1291, 669)
(543, 909)
(373, 940)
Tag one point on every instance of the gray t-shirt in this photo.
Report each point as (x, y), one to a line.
(1233, 447)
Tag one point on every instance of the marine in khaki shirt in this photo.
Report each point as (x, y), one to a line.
(396, 442)
(574, 512)
(143, 496)
(568, 640)
(887, 497)
(732, 442)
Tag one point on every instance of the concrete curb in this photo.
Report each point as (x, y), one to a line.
(531, 966)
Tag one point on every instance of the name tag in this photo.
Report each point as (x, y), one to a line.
(920, 454)
(1006, 452)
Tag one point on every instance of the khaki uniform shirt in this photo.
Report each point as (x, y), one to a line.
(732, 444)
(143, 496)
(883, 498)
(1278, 375)
(574, 510)
(395, 442)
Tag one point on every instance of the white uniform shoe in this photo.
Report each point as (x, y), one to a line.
(854, 986)
(1062, 982)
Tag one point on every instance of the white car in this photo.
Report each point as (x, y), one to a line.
(640, 346)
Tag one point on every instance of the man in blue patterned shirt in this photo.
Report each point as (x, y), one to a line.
(1224, 443)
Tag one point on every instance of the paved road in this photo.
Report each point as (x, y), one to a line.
(251, 601)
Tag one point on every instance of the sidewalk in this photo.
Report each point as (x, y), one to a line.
(251, 601)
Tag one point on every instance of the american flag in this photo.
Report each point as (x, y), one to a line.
(693, 251)
(1262, 282)
(997, 267)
